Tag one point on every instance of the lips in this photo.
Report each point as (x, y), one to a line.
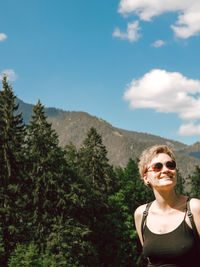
(167, 177)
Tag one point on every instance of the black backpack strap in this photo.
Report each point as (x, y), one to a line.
(144, 217)
(194, 228)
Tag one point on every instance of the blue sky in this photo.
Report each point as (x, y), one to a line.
(133, 63)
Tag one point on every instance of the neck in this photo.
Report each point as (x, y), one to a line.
(165, 200)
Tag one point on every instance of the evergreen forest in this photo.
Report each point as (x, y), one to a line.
(66, 206)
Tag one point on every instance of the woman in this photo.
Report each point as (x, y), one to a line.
(165, 229)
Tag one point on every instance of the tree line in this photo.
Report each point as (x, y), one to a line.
(65, 206)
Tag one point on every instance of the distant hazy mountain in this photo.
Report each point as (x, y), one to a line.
(26, 109)
(72, 126)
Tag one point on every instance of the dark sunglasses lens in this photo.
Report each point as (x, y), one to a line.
(157, 167)
(171, 165)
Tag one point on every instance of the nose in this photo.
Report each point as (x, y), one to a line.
(165, 169)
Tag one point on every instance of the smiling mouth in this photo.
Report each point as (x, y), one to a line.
(167, 177)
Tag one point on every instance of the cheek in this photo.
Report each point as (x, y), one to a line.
(154, 176)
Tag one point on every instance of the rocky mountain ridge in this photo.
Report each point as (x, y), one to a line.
(72, 126)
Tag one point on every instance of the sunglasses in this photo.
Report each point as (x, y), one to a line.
(158, 166)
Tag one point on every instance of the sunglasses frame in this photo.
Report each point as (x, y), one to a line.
(154, 169)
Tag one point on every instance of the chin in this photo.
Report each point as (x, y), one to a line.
(168, 182)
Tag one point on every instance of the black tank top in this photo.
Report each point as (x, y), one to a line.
(174, 249)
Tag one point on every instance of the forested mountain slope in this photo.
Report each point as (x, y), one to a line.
(72, 126)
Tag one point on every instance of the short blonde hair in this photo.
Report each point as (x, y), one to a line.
(149, 153)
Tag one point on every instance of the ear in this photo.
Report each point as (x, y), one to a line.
(145, 178)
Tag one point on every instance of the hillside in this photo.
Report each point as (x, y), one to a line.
(72, 126)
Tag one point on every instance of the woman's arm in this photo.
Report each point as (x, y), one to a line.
(195, 209)
(138, 219)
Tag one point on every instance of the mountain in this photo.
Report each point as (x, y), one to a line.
(72, 126)
(26, 110)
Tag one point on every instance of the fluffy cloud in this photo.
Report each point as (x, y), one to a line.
(167, 92)
(3, 36)
(188, 18)
(189, 129)
(11, 75)
(158, 43)
(131, 34)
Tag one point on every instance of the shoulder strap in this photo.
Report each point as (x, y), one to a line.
(194, 228)
(144, 217)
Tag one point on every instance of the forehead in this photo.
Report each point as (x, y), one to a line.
(161, 157)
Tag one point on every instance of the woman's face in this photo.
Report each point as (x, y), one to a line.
(163, 177)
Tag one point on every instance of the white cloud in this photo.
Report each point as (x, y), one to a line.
(11, 75)
(168, 92)
(158, 43)
(3, 36)
(189, 129)
(188, 18)
(188, 24)
(132, 32)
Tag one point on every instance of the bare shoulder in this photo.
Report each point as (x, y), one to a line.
(195, 209)
(195, 205)
(138, 219)
(139, 211)
(138, 215)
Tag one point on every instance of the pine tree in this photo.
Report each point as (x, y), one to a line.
(137, 193)
(49, 176)
(94, 167)
(180, 185)
(93, 161)
(68, 245)
(71, 155)
(195, 183)
(57, 194)
(131, 193)
(11, 172)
